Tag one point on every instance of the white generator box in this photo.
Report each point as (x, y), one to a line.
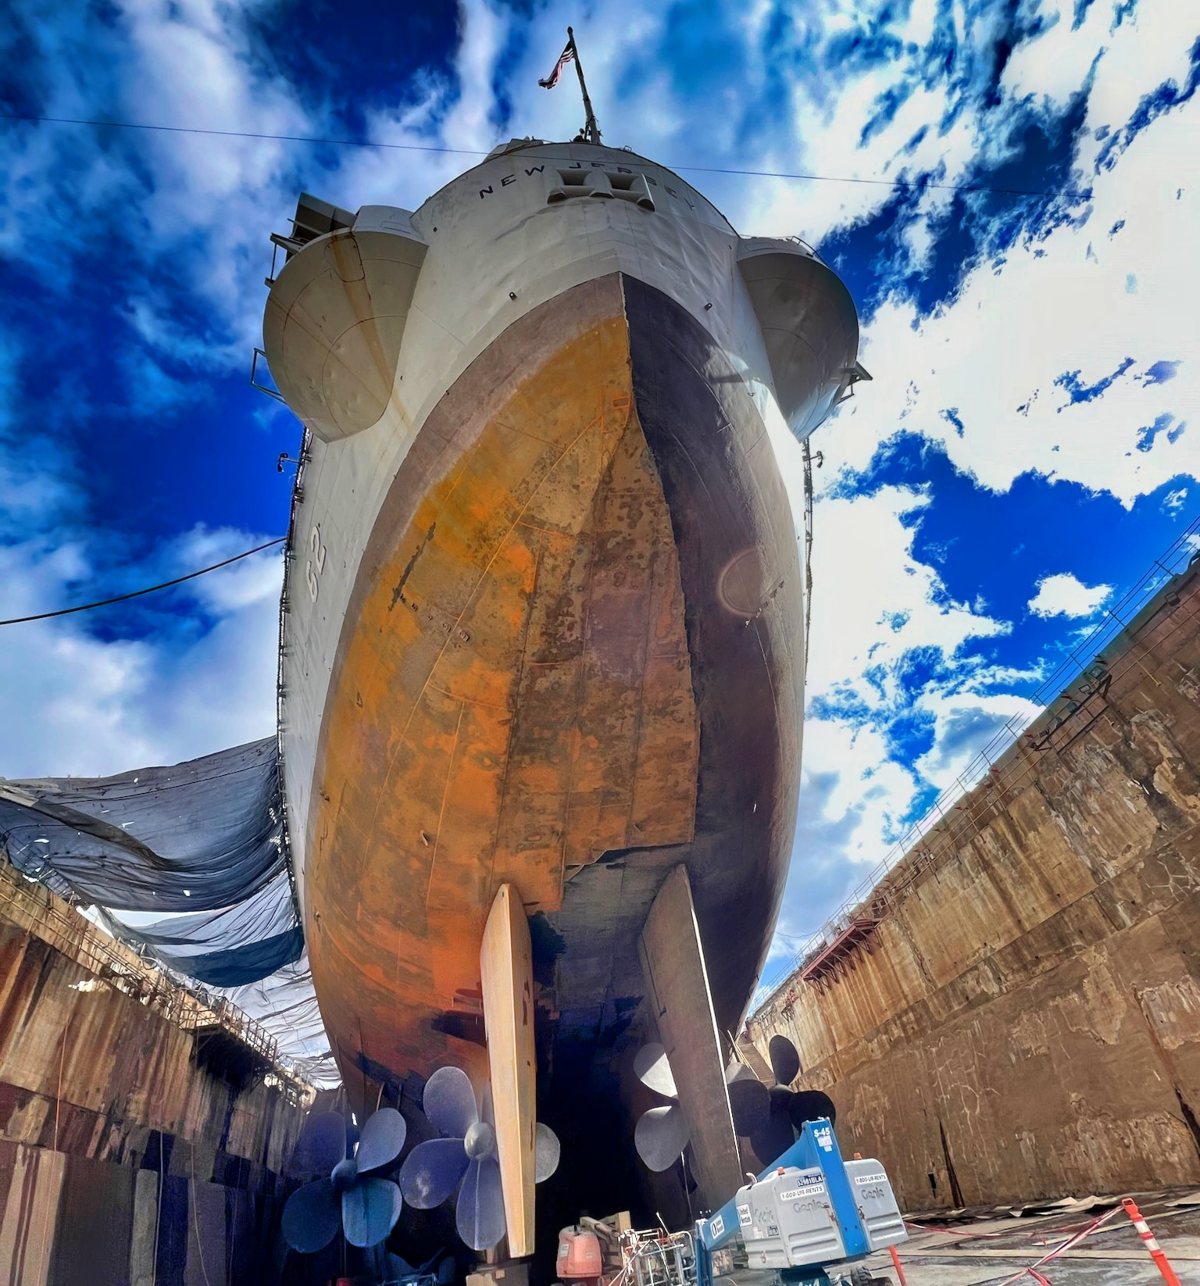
(786, 1220)
(876, 1204)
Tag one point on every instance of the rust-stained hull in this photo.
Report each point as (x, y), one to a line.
(571, 660)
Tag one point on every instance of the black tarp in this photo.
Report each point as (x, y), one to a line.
(204, 838)
(224, 967)
(226, 948)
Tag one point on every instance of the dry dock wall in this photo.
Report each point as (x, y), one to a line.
(1024, 1020)
(126, 1156)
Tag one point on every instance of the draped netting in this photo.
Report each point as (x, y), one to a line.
(188, 864)
(198, 836)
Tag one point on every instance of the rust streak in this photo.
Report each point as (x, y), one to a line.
(398, 590)
(517, 686)
(437, 839)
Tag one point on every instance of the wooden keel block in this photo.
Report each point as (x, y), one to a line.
(677, 983)
(506, 974)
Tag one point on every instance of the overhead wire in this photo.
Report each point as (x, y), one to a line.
(414, 147)
(919, 185)
(233, 133)
(149, 589)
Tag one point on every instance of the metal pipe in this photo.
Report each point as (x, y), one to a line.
(591, 130)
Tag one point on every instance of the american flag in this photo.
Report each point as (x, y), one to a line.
(567, 55)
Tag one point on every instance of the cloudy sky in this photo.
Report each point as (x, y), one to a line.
(1009, 189)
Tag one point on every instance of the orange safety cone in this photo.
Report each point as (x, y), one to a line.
(1150, 1242)
(896, 1264)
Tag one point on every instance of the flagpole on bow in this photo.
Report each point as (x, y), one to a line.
(591, 130)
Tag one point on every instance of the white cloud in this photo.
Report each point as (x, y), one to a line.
(1066, 595)
(75, 702)
(870, 792)
(965, 724)
(1056, 306)
(873, 601)
(1054, 64)
(482, 32)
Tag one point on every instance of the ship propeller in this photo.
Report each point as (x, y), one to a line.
(770, 1116)
(352, 1194)
(661, 1133)
(464, 1158)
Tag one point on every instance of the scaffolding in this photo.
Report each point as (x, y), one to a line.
(110, 963)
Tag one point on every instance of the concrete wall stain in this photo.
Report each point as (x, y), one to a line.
(1025, 1020)
(110, 1130)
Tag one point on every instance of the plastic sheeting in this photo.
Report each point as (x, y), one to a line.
(226, 948)
(286, 1005)
(205, 838)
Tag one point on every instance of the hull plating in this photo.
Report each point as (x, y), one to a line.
(571, 659)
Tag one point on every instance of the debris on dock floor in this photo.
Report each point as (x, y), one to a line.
(989, 1246)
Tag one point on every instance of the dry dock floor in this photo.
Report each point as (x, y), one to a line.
(987, 1247)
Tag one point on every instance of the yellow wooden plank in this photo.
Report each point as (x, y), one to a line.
(506, 975)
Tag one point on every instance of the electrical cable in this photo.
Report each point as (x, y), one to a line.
(233, 133)
(907, 184)
(795, 937)
(149, 589)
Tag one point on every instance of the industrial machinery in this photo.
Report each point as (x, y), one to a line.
(579, 1255)
(807, 1215)
(658, 1258)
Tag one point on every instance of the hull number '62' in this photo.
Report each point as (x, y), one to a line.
(316, 562)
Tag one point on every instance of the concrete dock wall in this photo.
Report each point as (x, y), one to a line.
(1024, 1020)
(132, 1147)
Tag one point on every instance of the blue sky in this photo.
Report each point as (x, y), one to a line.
(1021, 240)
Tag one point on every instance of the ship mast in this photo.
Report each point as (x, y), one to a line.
(591, 130)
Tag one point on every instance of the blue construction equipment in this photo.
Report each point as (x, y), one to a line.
(808, 1213)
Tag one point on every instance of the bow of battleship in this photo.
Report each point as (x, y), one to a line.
(543, 638)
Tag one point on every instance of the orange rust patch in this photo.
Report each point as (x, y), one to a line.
(515, 697)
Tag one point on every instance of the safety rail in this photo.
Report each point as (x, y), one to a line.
(928, 843)
(188, 1007)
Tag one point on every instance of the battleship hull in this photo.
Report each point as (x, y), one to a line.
(553, 633)
(572, 660)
